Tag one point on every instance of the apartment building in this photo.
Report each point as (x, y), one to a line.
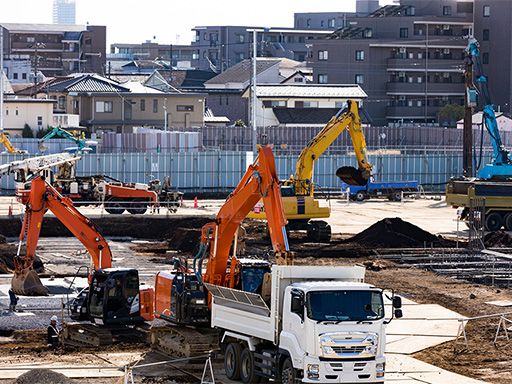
(54, 49)
(64, 12)
(409, 58)
(221, 47)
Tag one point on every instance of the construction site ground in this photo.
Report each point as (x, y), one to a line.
(22, 335)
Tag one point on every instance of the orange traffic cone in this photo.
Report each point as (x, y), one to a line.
(196, 205)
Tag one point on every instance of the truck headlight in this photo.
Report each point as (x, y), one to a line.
(380, 368)
(371, 349)
(326, 339)
(197, 301)
(328, 350)
(313, 371)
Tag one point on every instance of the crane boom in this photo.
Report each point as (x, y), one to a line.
(8, 145)
(259, 182)
(344, 120)
(43, 196)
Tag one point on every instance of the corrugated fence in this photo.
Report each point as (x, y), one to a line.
(220, 171)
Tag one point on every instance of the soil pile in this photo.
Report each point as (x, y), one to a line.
(185, 239)
(394, 233)
(42, 376)
(499, 239)
(7, 253)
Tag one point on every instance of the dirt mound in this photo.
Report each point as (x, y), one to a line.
(185, 239)
(42, 376)
(499, 239)
(394, 233)
(7, 253)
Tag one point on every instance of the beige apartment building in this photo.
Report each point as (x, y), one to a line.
(37, 113)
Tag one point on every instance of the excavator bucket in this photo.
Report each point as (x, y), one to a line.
(41, 147)
(27, 283)
(352, 176)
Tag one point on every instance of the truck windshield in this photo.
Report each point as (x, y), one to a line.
(344, 305)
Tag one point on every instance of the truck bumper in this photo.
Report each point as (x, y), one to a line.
(342, 371)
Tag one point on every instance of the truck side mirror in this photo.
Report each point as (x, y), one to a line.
(297, 303)
(397, 302)
(398, 313)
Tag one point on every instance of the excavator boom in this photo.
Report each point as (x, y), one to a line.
(259, 182)
(41, 197)
(7, 144)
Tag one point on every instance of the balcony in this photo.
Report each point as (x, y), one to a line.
(419, 88)
(29, 47)
(411, 112)
(417, 64)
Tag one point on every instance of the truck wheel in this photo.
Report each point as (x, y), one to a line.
(232, 356)
(360, 196)
(493, 222)
(396, 196)
(508, 221)
(137, 208)
(288, 373)
(247, 372)
(114, 207)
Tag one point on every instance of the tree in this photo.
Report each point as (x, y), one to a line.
(450, 114)
(27, 131)
(41, 132)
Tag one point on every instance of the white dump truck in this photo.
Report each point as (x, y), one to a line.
(314, 325)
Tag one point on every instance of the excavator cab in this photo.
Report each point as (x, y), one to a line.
(114, 297)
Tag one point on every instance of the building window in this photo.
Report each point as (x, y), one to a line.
(359, 79)
(39, 121)
(298, 80)
(447, 10)
(310, 104)
(104, 106)
(419, 103)
(322, 23)
(31, 39)
(411, 11)
(61, 102)
(15, 75)
(487, 10)
(359, 55)
(142, 105)
(185, 108)
(332, 23)
(155, 105)
(322, 79)
(308, 23)
(485, 34)
(404, 33)
(368, 33)
(24, 76)
(240, 38)
(17, 112)
(485, 58)
(195, 55)
(323, 55)
(420, 79)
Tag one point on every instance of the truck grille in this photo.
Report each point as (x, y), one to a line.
(348, 349)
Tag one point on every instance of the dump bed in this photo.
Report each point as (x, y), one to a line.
(248, 314)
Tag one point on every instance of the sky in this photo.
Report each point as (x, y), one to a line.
(170, 21)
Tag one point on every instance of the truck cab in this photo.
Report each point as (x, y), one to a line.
(334, 331)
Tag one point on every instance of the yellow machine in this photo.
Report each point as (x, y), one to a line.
(300, 205)
(7, 144)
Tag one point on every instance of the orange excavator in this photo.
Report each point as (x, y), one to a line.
(114, 296)
(180, 296)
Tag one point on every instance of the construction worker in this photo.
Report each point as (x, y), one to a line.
(53, 333)
(13, 300)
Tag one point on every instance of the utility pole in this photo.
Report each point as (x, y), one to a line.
(1, 79)
(254, 98)
(469, 103)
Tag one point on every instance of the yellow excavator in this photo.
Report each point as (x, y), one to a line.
(8, 145)
(300, 206)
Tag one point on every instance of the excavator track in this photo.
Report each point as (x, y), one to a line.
(81, 335)
(180, 341)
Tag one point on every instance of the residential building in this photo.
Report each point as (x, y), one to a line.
(56, 50)
(106, 105)
(504, 122)
(225, 90)
(64, 12)
(183, 56)
(409, 58)
(37, 113)
(221, 47)
(301, 105)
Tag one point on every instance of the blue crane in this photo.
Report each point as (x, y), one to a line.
(501, 164)
(82, 145)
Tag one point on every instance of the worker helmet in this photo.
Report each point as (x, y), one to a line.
(53, 318)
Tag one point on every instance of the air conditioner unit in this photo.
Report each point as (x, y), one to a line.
(446, 75)
(403, 50)
(446, 27)
(401, 74)
(446, 51)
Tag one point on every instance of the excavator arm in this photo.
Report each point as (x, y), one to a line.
(7, 144)
(41, 197)
(59, 132)
(343, 120)
(259, 182)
